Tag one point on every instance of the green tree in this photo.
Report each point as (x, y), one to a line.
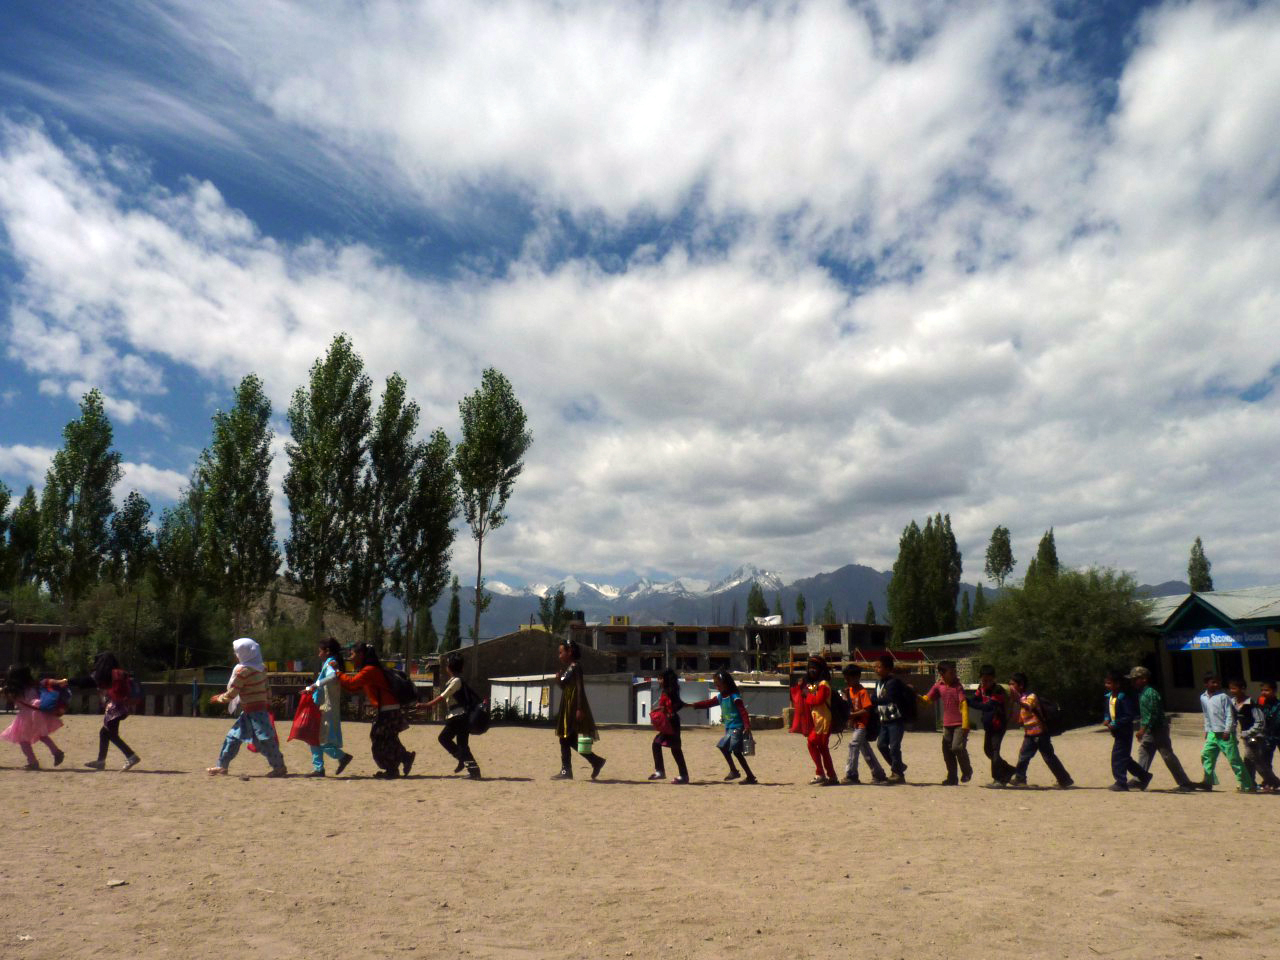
(978, 618)
(237, 535)
(8, 562)
(757, 606)
(1198, 569)
(427, 640)
(76, 506)
(1000, 562)
(965, 620)
(1045, 562)
(829, 615)
(180, 560)
(452, 638)
(489, 458)
(801, 606)
(1065, 631)
(132, 547)
(777, 606)
(329, 423)
(552, 612)
(384, 494)
(24, 538)
(420, 567)
(395, 640)
(926, 581)
(870, 615)
(906, 589)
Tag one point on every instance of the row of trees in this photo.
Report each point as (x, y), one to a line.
(371, 510)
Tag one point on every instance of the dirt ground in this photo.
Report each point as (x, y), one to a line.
(164, 861)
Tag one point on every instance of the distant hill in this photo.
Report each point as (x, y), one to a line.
(1170, 588)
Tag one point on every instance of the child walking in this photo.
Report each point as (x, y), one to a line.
(737, 724)
(113, 686)
(384, 735)
(1121, 712)
(327, 694)
(456, 735)
(955, 722)
(668, 735)
(1035, 735)
(1219, 734)
(574, 720)
(862, 716)
(248, 683)
(31, 723)
(1253, 738)
(813, 720)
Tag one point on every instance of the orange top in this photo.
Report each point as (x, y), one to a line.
(859, 699)
(372, 682)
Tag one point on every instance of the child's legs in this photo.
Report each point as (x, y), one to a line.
(566, 749)
(1025, 753)
(317, 758)
(1051, 760)
(264, 736)
(820, 751)
(727, 748)
(857, 740)
(1209, 757)
(53, 747)
(1121, 744)
(677, 753)
(659, 766)
(960, 747)
(948, 752)
(110, 733)
(742, 760)
(462, 736)
(230, 746)
(1232, 753)
(446, 740)
(29, 753)
(877, 771)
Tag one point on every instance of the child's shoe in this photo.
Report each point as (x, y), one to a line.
(657, 775)
(131, 761)
(32, 765)
(733, 775)
(473, 770)
(748, 781)
(408, 763)
(96, 764)
(342, 764)
(277, 772)
(565, 774)
(680, 780)
(58, 758)
(597, 764)
(216, 771)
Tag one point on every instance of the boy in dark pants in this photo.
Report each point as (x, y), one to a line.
(1118, 719)
(955, 722)
(888, 700)
(1036, 737)
(992, 700)
(1153, 732)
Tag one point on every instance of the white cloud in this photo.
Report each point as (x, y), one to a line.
(1070, 320)
(25, 464)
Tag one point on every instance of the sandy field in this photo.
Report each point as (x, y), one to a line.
(165, 861)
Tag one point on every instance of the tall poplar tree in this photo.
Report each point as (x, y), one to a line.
(801, 606)
(870, 615)
(237, 533)
(1000, 561)
(965, 620)
(489, 458)
(1045, 562)
(7, 562)
(427, 640)
(76, 505)
(24, 538)
(829, 614)
(329, 422)
(132, 547)
(1198, 567)
(452, 638)
(383, 497)
(926, 581)
(420, 567)
(757, 606)
(180, 559)
(777, 606)
(979, 614)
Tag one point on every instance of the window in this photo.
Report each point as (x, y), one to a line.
(618, 636)
(1264, 664)
(620, 664)
(650, 664)
(651, 638)
(687, 663)
(719, 638)
(687, 638)
(1230, 666)
(1184, 676)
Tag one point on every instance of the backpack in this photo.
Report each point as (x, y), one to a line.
(660, 717)
(1050, 715)
(402, 688)
(135, 691)
(840, 711)
(908, 704)
(54, 700)
(478, 715)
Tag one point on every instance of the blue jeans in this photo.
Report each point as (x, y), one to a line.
(251, 728)
(890, 745)
(317, 754)
(1042, 744)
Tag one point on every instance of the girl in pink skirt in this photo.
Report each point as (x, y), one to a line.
(32, 723)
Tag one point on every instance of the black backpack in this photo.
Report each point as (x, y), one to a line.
(1050, 715)
(402, 688)
(908, 703)
(477, 710)
(840, 711)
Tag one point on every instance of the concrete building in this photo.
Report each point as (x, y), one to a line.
(538, 695)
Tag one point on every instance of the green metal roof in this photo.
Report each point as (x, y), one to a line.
(954, 639)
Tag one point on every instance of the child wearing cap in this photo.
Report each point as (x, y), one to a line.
(1153, 732)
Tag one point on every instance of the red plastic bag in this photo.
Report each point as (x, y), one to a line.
(253, 747)
(306, 721)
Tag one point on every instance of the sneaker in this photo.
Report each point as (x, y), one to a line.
(58, 758)
(1135, 784)
(879, 778)
(32, 765)
(96, 764)
(460, 767)
(817, 781)
(216, 771)
(1146, 781)
(1186, 788)
(748, 781)
(1119, 788)
(563, 775)
(342, 764)
(896, 778)
(680, 781)
(997, 784)
(1066, 784)
(277, 772)
(131, 762)
(852, 781)
(597, 764)
(1205, 785)
(473, 771)
(966, 777)
(658, 775)
(1017, 781)
(949, 782)
(733, 775)
(314, 773)
(830, 782)
(408, 763)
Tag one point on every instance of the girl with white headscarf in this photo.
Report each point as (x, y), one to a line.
(248, 684)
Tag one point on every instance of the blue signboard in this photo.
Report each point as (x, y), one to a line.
(1215, 638)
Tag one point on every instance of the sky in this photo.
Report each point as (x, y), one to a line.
(770, 279)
